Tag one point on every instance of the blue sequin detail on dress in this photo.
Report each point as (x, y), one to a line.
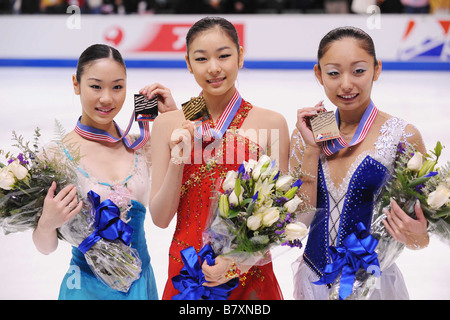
(358, 205)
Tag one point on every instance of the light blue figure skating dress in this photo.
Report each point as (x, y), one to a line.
(88, 286)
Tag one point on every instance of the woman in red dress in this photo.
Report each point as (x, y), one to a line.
(190, 159)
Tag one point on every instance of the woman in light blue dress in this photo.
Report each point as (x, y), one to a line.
(113, 165)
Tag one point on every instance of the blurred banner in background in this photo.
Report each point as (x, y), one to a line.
(289, 41)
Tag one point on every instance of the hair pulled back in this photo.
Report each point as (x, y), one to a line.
(340, 33)
(207, 23)
(96, 52)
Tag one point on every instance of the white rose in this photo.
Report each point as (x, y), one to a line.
(270, 216)
(6, 179)
(234, 199)
(18, 170)
(415, 163)
(230, 180)
(439, 197)
(296, 230)
(284, 183)
(254, 222)
(292, 204)
(261, 166)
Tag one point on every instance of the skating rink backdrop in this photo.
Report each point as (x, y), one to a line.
(38, 57)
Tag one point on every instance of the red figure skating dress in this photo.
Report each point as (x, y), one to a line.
(199, 182)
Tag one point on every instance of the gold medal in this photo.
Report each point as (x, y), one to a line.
(195, 109)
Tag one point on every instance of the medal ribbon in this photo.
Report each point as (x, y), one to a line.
(223, 122)
(332, 146)
(101, 135)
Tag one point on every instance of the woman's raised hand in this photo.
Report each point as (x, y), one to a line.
(165, 99)
(303, 123)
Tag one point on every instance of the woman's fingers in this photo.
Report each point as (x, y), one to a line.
(70, 196)
(64, 192)
(51, 190)
(405, 229)
(74, 211)
(165, 99)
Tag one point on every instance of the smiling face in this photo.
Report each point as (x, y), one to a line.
(214, 61)
(102, 90)
(347, 72)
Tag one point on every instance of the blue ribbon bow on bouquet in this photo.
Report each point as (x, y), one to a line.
(108, 224)
(191, 278)
(358, 251)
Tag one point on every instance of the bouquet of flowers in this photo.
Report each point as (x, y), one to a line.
(416, 177)
(256, 209)
(24, 182)
(98, 230)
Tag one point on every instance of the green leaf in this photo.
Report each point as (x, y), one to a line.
(418, 181)
(246, 201)
(250, 207)
(233, 213)
(444, 212)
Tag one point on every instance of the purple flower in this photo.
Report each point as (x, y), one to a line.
(297, 183)
(419, 188)
(21, 159)
(245, 176)
(241, 169)
(276, 176)
(280, 201)
(255, 197)
(431, 174)
(400, 148)
(293, 244)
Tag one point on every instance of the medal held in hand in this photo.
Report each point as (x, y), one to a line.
(324, 126)
(145, 109)
(195, 109)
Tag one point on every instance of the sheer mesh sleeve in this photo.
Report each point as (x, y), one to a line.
(297, 148)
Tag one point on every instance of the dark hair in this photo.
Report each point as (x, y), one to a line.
(209, 23)
(96, 52)
(364, 39)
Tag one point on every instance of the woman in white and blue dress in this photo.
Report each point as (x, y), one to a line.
(343, 176)
(110, 164)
